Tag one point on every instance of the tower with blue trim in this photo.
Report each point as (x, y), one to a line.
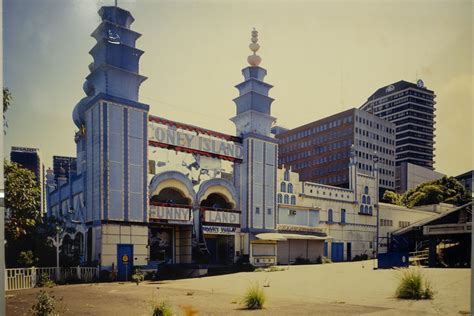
(112, 144)
(255, 177)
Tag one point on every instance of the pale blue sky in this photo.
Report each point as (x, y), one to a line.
(322, 57)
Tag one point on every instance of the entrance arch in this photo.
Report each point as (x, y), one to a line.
(172, 185)
(217, 191)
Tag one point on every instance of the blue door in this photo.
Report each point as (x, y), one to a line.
(325, 249)
(337, 251)
(124, 262)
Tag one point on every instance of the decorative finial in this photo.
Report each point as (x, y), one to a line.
(254, 60)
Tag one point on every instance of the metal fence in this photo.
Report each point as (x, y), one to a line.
(26, 278)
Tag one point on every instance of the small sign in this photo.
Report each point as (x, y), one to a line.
(125, 259)
(176, 214)
(221, 217)
(218, 230)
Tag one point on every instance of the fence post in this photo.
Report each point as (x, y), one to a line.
(78, 272)
(33, 276)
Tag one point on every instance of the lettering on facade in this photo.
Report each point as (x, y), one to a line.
(221, 217)
(171, 214)
(182, 138)
(218, 230)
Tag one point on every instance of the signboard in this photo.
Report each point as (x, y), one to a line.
(222, 217)
(174, 215)
(125, 259)
(218, 230)
(182, 138)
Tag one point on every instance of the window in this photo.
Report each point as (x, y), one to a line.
(257, 210)
(363, 199)
(330, 215)
(286, 176)
(366, 190)
(269, 211)
(283, 187)
(370, 210)
(290, 188)
(287, 199)
(293, 200)
(366, 209)
(280, 198)
(361, 210)
(368, 199)
(343, 215)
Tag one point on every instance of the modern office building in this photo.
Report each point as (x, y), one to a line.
(64, 165)
(411, 108)
(30, 158)
(319, 151)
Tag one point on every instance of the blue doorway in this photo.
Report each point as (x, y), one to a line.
(124, 262)
(337, 251)
(349, 252)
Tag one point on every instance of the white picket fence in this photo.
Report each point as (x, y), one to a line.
(26, 278)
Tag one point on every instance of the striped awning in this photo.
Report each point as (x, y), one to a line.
(284, 237)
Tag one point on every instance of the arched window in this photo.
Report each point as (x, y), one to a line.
(290, 188)
(293, 200)
(366, 209)
(343, 215)
(368, 199)
(287, 199)
(280, 198)
(361, 210)
(363, 199)
(283, 187)
(286, 176)
(330, 215)
(370, 210)
(366, 190)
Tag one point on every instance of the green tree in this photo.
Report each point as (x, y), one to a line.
(22, 200)
(7, 102)
(446, 189)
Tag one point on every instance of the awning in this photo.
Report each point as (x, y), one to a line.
(284, 237)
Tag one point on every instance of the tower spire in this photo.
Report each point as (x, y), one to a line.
(254, 60)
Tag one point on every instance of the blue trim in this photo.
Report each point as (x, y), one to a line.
(145, 167)
(125, 164)
(105, 135)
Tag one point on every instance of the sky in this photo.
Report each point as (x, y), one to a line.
(322, 57)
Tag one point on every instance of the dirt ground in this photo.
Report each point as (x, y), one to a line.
(332, 289)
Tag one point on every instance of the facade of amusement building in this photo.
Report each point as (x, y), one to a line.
(150, 191)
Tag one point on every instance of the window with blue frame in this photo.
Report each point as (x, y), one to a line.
(370, 210)
(283, 187)
(361, 210)
(287, 199)
(363, 199)
(290, 188)
(330, 216)
(366, 190)
(293, 200)
(280, 198)
(368, 199)
(286, 176)
(343, 216)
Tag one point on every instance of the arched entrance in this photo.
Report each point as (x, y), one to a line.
(170, 216)
(219, 219)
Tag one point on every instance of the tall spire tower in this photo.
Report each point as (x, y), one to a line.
(255, 177)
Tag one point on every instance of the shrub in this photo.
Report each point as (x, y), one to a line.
(325, 260)
(45, 305)
(45, 281)
(413, 285)
(27, 259)
(301, 260)
(254, 297)
(138, 276)
(270, 269)
(161, 309)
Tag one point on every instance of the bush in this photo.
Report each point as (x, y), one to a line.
(45, 281)
(301, 260)
(161, 309)
(413, 285)
(45, 305)
(138, 276)
(27, 259)
(254, 297)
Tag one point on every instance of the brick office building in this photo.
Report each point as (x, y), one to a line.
(319, 151)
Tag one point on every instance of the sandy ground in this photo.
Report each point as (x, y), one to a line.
(332, 289)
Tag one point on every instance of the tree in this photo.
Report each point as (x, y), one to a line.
(7, 102)
(22, 201)
(448, 190)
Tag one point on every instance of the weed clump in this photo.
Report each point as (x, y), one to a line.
(254, 297)
(413, 285)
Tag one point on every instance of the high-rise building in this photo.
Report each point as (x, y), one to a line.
(320, 151)
(30, 158)
(67, 164)
(411, 108)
